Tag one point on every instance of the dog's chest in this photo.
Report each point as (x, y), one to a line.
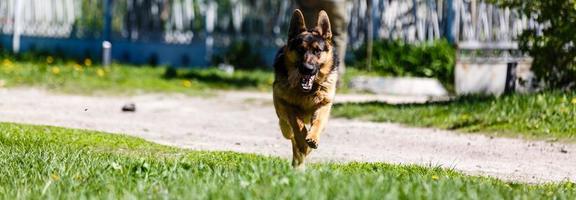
(309, 101)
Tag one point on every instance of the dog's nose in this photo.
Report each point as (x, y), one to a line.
(307, 68)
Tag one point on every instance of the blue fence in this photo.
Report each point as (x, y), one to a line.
(175, 32)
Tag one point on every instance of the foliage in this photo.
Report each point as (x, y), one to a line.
(396, 58)
(540, 116)
(90, 23)
(241, 55)
(554, 51)
(40, 162)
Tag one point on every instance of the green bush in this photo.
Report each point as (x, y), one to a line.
(241, 55)
(554, 51)
(397, 58)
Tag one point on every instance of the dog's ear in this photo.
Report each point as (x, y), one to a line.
(297, 24)
(323, 25)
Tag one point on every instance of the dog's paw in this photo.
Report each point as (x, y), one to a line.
(312, 143)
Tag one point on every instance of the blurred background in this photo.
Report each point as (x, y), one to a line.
(195, 30)
(422, 38)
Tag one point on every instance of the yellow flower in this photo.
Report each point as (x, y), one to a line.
(55, 177)
(55, 70)
(8, 68)
(574, 100)
(87, 62)
(7, 63)
(434, 177)
(49, 60)
(187, 83)
(100, 72)
(77, 67)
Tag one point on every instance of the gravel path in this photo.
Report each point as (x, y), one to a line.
(246, 122)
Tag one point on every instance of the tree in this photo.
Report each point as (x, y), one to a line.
(554, 51)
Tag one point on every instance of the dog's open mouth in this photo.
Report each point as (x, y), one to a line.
(306, 82)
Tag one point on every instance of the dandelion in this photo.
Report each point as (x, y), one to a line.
(77, 67)
(49, 60)
(55, 70)
(7, 68)
(7, 63)
(574, 100)
(187, 83)
(434, 177)
(100, 72)
(87, 62)
(55, 177)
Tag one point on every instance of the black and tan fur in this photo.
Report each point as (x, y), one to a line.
(305, 84)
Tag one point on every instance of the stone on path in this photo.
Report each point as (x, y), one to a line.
(129, 107)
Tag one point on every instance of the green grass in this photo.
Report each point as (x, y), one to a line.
(40, 162)
(71, 77)
(85, 78)
(548, 115)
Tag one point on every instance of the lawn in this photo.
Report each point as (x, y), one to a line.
(40, 162)
(87, 78)
(546, 115)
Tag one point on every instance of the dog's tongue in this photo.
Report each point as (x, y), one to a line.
(307, 82)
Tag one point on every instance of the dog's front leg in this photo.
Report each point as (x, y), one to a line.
(291, 118)
(299, 147)
(319, 120)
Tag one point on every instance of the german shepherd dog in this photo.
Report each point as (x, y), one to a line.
(305, 84)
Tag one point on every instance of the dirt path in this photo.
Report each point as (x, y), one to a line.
(245, 122)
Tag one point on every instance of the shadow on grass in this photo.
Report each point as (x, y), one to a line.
(241, 79)
(460, 113)
(458, 101)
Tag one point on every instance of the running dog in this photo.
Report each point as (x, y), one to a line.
(305, 84)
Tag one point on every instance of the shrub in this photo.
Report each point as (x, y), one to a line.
(241, 55)
(554, 51)
(396, 58)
